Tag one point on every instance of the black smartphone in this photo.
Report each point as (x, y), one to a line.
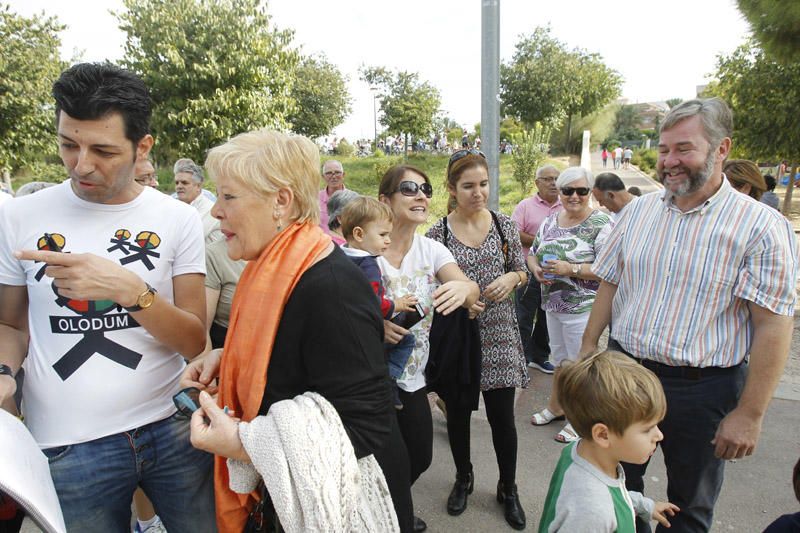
(408, 319)
(52, 245)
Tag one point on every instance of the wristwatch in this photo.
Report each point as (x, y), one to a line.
(576, 269)
(144, 300)
(5, 370)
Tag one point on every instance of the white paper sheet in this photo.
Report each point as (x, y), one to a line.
(25, 475)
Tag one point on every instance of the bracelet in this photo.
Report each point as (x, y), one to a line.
(519, 283)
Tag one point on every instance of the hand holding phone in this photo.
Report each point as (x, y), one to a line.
(408, 319)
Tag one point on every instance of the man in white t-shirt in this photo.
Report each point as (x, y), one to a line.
(189, 189)
(617, 157)
(103, 326)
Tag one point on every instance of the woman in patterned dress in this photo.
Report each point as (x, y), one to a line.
(417, 265)
(475, 237)
(574, 237)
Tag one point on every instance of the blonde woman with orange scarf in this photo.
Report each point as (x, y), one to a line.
(303, 318)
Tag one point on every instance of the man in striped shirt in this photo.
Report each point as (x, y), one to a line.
(699, 281)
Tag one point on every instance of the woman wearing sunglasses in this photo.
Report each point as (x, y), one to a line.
(303, 319)
(561, 257)
(487, 247)
(417, 265)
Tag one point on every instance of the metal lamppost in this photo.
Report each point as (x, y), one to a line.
(375, 115)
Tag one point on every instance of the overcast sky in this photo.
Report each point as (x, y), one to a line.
(662, 49)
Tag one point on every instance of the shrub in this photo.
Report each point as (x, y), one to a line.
(531, 151)
(41, 171)
(344, 149)
(645, 159)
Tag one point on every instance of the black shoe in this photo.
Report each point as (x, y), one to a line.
(457, 501)
(514, 514)
(419, 525)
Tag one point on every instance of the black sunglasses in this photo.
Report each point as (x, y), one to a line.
(461, 154)
(411, 188)
(582, 191)
(187, 401)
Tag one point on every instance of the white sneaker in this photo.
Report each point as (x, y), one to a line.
(155, 527)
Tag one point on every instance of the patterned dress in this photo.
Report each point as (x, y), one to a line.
(502, 359)
(576, 244)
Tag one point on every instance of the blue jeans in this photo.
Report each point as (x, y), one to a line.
(535, 340)
(399, 354)
(95, 480)
(695, 407)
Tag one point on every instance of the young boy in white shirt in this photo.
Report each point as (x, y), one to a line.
(614, 404)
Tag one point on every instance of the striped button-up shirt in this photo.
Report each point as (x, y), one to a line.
(684, 280)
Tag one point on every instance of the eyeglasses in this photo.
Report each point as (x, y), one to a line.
(461, 154)
(411, 188)
(569, 191)
(187, 401)
(332, 173)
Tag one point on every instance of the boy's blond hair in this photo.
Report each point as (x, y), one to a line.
(361, 212)
(612, 389)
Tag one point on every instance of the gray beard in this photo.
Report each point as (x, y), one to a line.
(696, 179)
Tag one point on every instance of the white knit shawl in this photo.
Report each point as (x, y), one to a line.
(302, 452)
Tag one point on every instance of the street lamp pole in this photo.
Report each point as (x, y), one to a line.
(375, 115)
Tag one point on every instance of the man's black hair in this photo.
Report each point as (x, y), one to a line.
(770, 181)
(608, 181)
(91, 91)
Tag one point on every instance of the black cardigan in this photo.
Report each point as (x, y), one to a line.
(330, 341)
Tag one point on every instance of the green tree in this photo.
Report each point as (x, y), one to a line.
(595, 85)
(29, 64)
(672, 102)
(530, 153)
(215, 68)
(765, 98)
(776, 25)
(545, 82)
(409, 105)
(323, 102)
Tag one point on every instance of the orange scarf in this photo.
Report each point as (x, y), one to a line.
(261, 295)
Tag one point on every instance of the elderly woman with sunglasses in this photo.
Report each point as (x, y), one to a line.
(561, 256)
(417, 265)
(304, 321)
(487, 247)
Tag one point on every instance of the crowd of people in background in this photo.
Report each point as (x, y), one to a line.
(263, 357)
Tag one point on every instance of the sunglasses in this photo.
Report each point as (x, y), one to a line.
(411, 188)
(582, 191)
(461, 154)
(187, 401)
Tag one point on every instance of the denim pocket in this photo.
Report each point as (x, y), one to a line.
(54, 454)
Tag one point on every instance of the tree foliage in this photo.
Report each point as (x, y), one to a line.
(765, 96)
(776, 25)
(545, 82)
(672, 102)
(409, 105)
(29, 64)
(321, 96)
(530, 153)
(215, 68)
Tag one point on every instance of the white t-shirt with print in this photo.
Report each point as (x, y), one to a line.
(91, 370)
(417, 276)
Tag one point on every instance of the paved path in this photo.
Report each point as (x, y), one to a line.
(631, 177)
(756, 490)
